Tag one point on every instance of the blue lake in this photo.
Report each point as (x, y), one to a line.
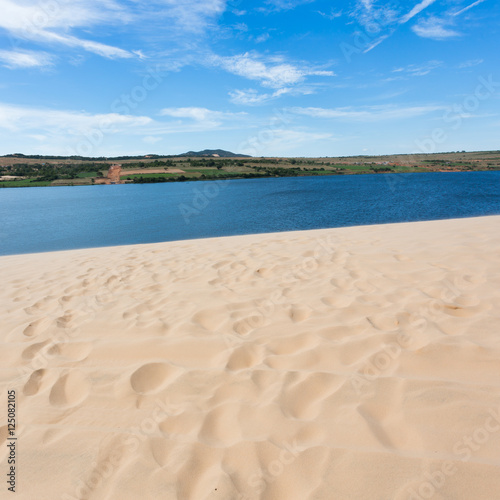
(60, 218)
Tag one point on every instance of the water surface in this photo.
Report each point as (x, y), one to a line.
(59, 218)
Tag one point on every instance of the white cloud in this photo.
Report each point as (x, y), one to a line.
(78, 132)
(333, 14)
(441, 28)
(471, 63)
(251, 97)
(54, 22)
(22, 119)
(25, 59)
(199, 114)
(375, 43)
(202, 118)
(49, 22)
(419, 70)
(468, 7)
(189, 15)
(416, 10)
(374, 18)
(263, 38)
(281, 142)
(435, 28)
(100, 49)
(271, 73)
(151, 139)
(278, 5)
(369, 113)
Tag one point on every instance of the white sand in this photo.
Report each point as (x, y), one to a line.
(356, 363)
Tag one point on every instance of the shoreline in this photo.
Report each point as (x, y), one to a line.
(237, 177)
(277, 233)
(360, 360)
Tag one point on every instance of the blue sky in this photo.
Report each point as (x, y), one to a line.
(266, 78)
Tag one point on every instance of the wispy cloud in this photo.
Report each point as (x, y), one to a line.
(442, 27)
(282, 142)
(436, 28)
(250, 97)
(418, 69)
(333, 14)
(64, 131)
(374, 17)
(202, 115)
(471, 63)
(60, 23)
(279, 5)
(273, 73)
(15, 59)
(189, 15)
(369, 113)
(49, 23)
(381, 21)
(465, 9)
(416, 10)
(22, 119)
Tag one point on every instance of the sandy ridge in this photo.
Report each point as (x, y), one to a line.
(351, 363)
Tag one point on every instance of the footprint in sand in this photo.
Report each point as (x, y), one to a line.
(70, 318)
(221, 426)
(36, 327)
(300, 313)
(185, 424)
(210, 319)
(264, 272)
(74, 351)
(70, 389)
(249, 324)
(384, 323)
(42, 306)
(294, 344)
(30, 352)
(244, 357)
(303, 400)
(152, 377)
(337, 301)
(33, 385)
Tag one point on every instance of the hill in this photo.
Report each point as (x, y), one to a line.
(215, 153)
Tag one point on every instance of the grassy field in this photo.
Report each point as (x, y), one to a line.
(24, 183)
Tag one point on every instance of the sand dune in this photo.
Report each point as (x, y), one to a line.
(354, 363)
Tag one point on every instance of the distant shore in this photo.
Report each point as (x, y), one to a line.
(47, 171)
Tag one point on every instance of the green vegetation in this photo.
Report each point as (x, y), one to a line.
(23, 183)
(57, 171)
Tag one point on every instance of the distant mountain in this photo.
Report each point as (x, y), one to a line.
(205, 153)
(215, 153)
